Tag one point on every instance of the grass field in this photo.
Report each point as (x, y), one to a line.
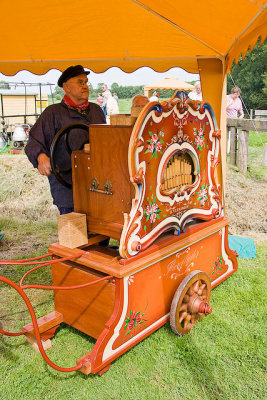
(223, 357)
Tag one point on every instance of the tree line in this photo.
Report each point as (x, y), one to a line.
(250, 76)
(123, 92)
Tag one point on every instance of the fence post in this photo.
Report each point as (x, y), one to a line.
(243, 150)
(264, 159)
(233, 145)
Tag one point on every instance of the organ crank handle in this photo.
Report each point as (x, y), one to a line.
(64, 133)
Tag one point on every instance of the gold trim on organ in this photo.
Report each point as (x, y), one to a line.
(179, 172)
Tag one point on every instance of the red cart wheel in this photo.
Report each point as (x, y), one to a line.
(190, 302)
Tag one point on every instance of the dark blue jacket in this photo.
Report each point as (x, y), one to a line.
(54, 118)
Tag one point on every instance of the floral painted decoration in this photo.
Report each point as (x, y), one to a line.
(203, 194)
(217, 265)
(134, 320)
(155, 143)
(200, 139)
(152, 210)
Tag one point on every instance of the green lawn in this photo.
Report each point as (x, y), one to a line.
(255, 154)
(223, 357)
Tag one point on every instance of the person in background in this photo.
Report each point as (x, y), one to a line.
(105, 93)
(154, 97)
(196, 94)
(74, 108)
(99, 99)
(234, 107)
(111, 105)
(116, 97)
(105, 89)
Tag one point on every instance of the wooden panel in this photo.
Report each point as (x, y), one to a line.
(108, 160)
(105, 260)
(44, 323)
(86, 309)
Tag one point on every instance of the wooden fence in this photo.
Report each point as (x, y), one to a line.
(239, 133)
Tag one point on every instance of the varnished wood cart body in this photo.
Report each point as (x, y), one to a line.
(142, 289)
(169, 224)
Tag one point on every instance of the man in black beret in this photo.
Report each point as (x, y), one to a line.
(74, 108)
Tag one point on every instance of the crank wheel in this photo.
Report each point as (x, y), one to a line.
(190, 302)
(64, 133)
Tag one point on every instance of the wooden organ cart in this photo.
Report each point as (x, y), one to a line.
(156, 187)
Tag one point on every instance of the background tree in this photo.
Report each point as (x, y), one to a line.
(4, 85)
(58, 93)
(114, 87)
(250, 75)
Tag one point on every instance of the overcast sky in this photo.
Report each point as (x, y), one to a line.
(142, 76)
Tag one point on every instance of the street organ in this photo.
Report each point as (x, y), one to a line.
(156, 188)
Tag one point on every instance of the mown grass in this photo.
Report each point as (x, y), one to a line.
(255, 154)
(223, 357)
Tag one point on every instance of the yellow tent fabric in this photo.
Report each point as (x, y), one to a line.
(40, 35)
(200, 37)
(168, 83)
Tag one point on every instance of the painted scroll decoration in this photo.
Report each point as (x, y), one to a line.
(175, 167)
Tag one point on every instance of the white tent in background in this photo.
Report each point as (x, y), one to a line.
(171, 83)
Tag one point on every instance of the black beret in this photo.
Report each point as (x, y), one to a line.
(71, 72)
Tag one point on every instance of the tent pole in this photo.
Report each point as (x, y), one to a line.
(213, 83)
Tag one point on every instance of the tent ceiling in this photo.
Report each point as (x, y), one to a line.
(38, 36)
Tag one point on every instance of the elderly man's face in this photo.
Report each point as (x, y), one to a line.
(77, 89)
(198, 89)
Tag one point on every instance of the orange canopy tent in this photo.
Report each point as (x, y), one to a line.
(201, 37)
(169, 83)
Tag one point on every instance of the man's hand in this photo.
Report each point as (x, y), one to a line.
(44, 166)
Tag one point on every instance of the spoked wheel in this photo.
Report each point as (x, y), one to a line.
(190, 302)
(58, 171)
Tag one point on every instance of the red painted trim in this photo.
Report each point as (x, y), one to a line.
(222, 222)
(97, 352)
(118, 353)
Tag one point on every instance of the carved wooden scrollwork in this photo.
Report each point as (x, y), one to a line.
(174, 165)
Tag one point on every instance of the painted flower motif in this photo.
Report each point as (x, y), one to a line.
(161, 133)
(131, 280)
(152, 211)
(217, 267)
(199, 140)
(151, 147)
(154, 144)
(153, 218)
(149, 209)
(203, 195)
(133, 321)
(135, 318)
(154, 208)
(155, 138)
(158, 146)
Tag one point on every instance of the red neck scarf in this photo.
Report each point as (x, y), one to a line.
(71, 104)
